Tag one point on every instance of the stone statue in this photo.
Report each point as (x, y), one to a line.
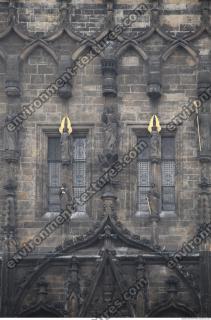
(65, 146)
(111, 124)
(10, 207)
(65, 197)
(10, 210)
(154, 200)
(155, 146)
(10, 137)
(72, 305)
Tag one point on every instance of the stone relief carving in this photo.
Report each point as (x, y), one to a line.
(111, 137)
(65, 196)
(11, 140)
(65, 147)
(155, 146)
(154, 200)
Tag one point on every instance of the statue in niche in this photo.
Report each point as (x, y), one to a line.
(10, 205)
(155, 146)
(204, 176)
(10, 137)
(64, 196)
(72, 305)
(110, 15)
(154, 200)
(10, 210)
(155, 143)
(65, 146)
(110, 124)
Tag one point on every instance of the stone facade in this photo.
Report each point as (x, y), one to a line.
(154, 67)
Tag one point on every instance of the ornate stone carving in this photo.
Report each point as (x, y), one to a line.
(110, 13)
(205, 12)
(73, 289)
(110, 5)
(72, 305)
(11, 140)
(111, 137)
(65, 7)
(12, 11)
(107, 236)
(10, 209)
(65, 142)
(65, 197)
(141, 300)
(154, 201)
(154, 78)
(155, 146)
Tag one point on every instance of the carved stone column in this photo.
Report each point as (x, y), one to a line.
(109, 201)
(73, 289)
(66, 143)
(9, 244)
(142, 299)
(203, 123)
(154, 198)
(109, 155)
(109, 71)
(154, 78)
(110, 13)
(10, 210)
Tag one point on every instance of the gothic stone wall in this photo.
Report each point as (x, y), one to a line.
(38, 69)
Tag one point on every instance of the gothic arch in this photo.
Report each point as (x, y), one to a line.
(85, 241)
(13, 28)
(58, 34)
(41, 310)
(132, 44)
(178, 43)
(37, 44)
(86, 45)
(171, 308)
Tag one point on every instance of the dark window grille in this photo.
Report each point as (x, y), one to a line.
(54, 174)
(79, 170)
(54, 171)
(143, 178)
(168, 173)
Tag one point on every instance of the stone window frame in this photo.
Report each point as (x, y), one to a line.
(41, 194)
(135, 131)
